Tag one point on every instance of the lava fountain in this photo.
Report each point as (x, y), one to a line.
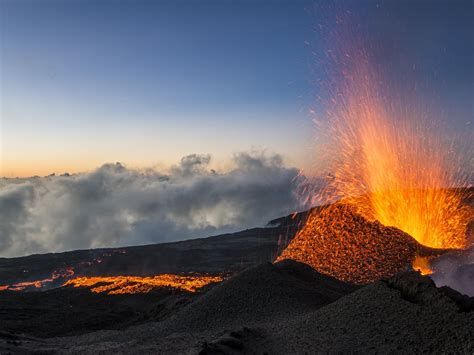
(390, 163)
(393, 168)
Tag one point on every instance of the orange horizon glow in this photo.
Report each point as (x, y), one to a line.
(26, 169)
(42, 169)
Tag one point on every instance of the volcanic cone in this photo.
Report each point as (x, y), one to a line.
(341, 243)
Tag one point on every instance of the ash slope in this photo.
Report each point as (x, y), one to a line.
(290, 308)
(265, 293)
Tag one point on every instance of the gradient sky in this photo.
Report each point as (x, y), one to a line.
(147, 82)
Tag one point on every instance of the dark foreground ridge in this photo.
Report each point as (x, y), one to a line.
(288, 308)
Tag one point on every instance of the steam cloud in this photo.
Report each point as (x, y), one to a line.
(456, 270)
(116, 206)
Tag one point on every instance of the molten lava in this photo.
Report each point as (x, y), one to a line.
(39, 284)
(58, 277)
(113, 285)
(422, 264)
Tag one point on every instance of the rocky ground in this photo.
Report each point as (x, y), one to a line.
(288, 308)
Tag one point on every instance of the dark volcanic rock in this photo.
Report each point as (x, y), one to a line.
(406, 314)
(266, 292)
(70, 311)
(232, 342)
(422, 290)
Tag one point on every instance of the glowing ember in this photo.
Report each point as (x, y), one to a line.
(337, 241)
(113, 285)
(422, 264)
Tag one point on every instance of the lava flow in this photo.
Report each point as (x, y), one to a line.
(55, 277)
(113, 285)
(58, 277)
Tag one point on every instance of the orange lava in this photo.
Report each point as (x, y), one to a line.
(39, 284)
(422, 264)
(113, 285)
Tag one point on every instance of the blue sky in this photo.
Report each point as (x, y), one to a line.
(147, 82)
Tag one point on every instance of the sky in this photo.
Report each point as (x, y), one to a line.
(207, 105)
(145, 83)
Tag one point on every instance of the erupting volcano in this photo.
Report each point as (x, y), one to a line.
(389, 166)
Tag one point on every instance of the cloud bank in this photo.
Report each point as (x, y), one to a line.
(117, 206)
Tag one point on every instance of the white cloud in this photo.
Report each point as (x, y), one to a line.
(115, 206)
